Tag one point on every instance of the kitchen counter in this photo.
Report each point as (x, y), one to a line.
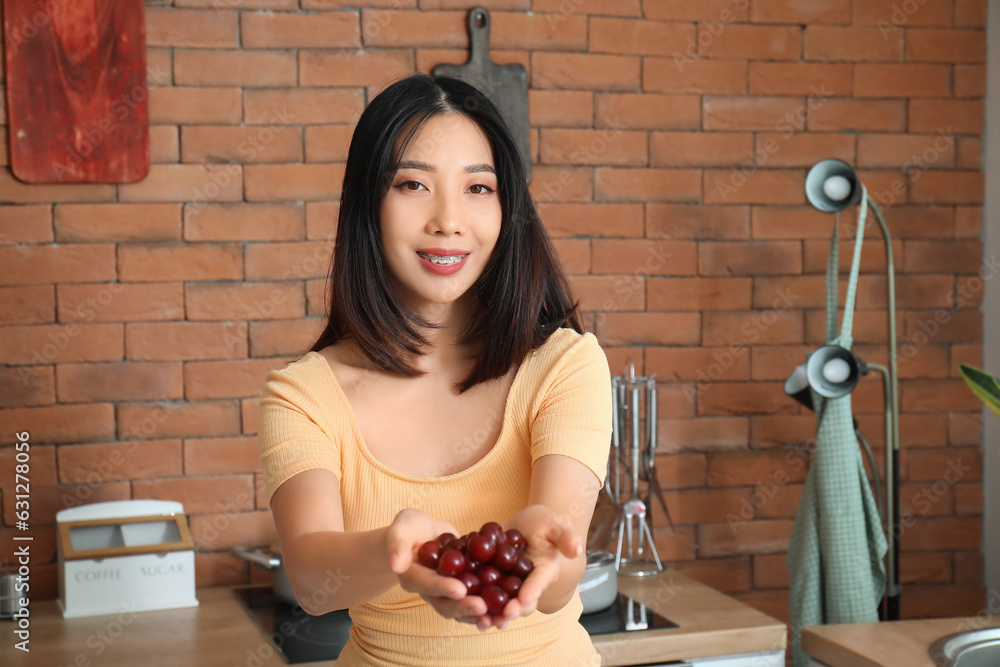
(220, 632)
(880, 644)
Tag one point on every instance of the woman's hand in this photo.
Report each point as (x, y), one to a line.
(551, 539)
(447, 595)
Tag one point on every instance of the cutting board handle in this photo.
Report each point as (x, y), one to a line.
(479, 35)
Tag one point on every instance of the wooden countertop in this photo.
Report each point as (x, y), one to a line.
(884, 644)
(220, 631)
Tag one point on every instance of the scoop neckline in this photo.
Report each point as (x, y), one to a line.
(374, 461)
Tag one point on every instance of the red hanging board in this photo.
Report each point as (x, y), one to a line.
(76, 90)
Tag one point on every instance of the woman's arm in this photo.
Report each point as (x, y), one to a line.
(331, 569)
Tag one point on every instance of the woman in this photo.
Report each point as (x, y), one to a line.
(451, 386)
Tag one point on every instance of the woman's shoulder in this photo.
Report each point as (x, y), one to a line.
(565, 348)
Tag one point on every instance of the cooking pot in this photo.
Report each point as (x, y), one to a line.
(270, 559)
(599, 584)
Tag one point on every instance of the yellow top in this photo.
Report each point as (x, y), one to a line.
(559, 403)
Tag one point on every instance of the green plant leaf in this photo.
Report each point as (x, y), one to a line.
(983, 385)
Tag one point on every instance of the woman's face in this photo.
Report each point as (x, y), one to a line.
(441, 216)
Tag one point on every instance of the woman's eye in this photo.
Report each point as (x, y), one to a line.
(480, 189)
(412, 186)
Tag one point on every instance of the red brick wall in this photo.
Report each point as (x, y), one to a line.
(670, 142)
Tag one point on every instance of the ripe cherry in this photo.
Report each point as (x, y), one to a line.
(515, 537)
(489, 575)
(505, 558)
(471, 581)
(444, 538)
(522, 566)
(429, 554)
(495, 597)
(452, 563)
(482, 548)
(511, 584)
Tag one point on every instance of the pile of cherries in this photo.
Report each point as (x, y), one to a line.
(491, 563)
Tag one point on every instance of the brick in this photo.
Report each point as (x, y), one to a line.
(680, 75)
(711, 11)
(57, 424)
(267, 30)
(647, 184)
(754, 42)
(212, 28)
(947, 116)
(948, 187)
(921, 222)
(859, 115)
(244, 222)
(216, 67)
(317, 297)
(945, 46)
(47, 501)
(26, 224)
(489, 4)
(186, 182)
(776, 362)
(201, 495)
(170, 419)
(767, 78)
(328, 143)
(561, 108)
(249, 414)
(164, 145)
(685, 221)
(733, 469)
(968, 221)
(767, 431)
(964, 354)
(891, 80)
(218, 532)
(117, 222)
(768, 186)
(699, 506)
(13, 191)
(970, 153)
(757, 258)
(120, 302)
(681, 471)
(32, 304)
(797, 291)
(80, 464)
(561, 184)
(950, 465)
(800, 149)
(936, 396)
(942, 326)
(342, 4)
(969, 500)
(607, 293)
(624, 111)
(244, 301)
(521, 30)
(971, 13)
(227, 379)
(159, 66)
(294, 182)
(82, 383)
(219, 143)
(770, 571)
(574, 254)
(782, 114)
(699, 149)
(891, 16)
(287, 261)
(969, 81)
(921, 430)
(47, 344)
(308, 106)
(698, 294)
(27, 386)
(905, 150)
(195, 105)
(42, 264)
(912, 291)
(648, 328)
(869, 326)
(413, 28)
(321, 220)
(588, 220)
(644, 257)
(718, 433)
(766, 327)
(749, 538)
(186, 341)
(427, 59)
(872, 256)
(943, 256)
(584, 71)
(928, 534)
(189, 261)
(639, 36)
(851, 44)
(968, 567)
(727, 575)
(284, 337)
(681, 364)
(594, 147)
(353, 68)
(789, 11)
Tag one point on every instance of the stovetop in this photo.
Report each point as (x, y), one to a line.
(302, 638)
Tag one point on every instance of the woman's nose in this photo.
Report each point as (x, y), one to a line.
(446, 215)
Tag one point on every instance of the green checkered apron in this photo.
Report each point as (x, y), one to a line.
(837, 544)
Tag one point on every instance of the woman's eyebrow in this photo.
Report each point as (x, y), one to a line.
(423, 166)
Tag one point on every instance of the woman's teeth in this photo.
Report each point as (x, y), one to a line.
(446, 260)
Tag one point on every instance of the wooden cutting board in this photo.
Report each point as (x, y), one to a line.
(76, 90)
(506, 85)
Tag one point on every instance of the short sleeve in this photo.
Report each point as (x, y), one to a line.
(574, 409)
(293, 433)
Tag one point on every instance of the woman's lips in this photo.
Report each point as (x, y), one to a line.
(441, 269)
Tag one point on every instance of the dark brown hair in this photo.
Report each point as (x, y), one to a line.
(523, 293)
